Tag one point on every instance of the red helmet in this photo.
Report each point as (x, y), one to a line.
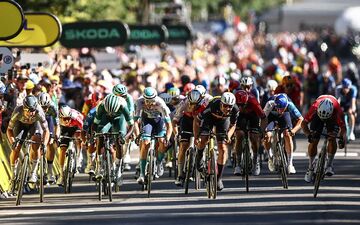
(189, 87)
(241, 97)
(233, 85)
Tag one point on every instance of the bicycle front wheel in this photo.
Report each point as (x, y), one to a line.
(151, 168)
(108, 174)
(68, 173)
(189, 168)
(42, 163)
(283, 166)
(22, 179)
(319, 171)
(246, 165)
(213, 175)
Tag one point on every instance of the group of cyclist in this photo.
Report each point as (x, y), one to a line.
(174, 116)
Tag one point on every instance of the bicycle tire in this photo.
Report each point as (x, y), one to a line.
(319, 171)
(108, 174)
(174, 160)
(246, 157)
(22, 180)
(213, 175)
(283, 166)
(150, 174)
(42, 162)
(189, 168)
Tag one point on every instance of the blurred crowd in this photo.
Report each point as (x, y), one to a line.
(312, 62)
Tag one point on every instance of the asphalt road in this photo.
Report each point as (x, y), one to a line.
(338, 201)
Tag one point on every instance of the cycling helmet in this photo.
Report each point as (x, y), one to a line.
(2, 88)
(233, 85)
(113, 103)
(201, 89)
(189, 87)
(281, 101)
(325, 109)
(166, 97)
(228, 98)
(119, 90)
(29, 85)
(241, 97)
(44, 99)
(346, 83)
(246, 81)
(65, 111)
(30, 102)
(271, 85)
(194, 96)
(168, 86)
(174, 92)
(149, 93)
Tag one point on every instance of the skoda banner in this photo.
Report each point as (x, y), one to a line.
(94, 34)
(147, 34)
(179, 34)
(11, 19)
(39, 30)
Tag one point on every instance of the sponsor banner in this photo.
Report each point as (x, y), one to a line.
(147, 34)
(35, 58)
(94, 34)
(11, 19)
(39, 30)
(179, 34)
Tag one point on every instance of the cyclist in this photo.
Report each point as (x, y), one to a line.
(346, 94)
(152, 112)
(222, 113)
(194, 104)
(250, 113)
(283, 111)
(325, 111)
(122, 91)
(270, 92)
(291, 86)
(71, 123)
(187, 88)
(29, 118)
(247, 84)
(113, 115)
(176, 97)
(52, 117)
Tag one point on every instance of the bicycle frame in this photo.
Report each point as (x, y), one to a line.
(211, 168)
(280, 159)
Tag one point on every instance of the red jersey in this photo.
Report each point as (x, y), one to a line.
(337, 115)
(294, 95)
(76, 120)
(252, 106)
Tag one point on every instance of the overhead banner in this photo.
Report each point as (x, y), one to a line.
(6, 60)
(39, 30)
(94, 34)
(11, 19)
(147, 34)
(179, 34)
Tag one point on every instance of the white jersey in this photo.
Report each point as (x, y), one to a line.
(155, 110)
(184, 107)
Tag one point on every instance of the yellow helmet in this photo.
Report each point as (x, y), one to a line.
(29, 85)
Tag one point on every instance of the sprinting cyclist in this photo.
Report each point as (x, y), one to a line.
(153, 114)
(221, 113)
(324, 112)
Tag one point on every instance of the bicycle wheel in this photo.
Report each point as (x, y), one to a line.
(22, 180)
(283, 165)
(42, 163)
(246, 164)
(319, 170)
(68, 173)
(189, 168)
(174, 159)
(151, 168)
(213, 175)
(108, 174)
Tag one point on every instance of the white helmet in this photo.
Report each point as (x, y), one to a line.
(246, 81)
(194, 96)
(44, 99)
(228, 98)
(166, 97)
(325, 109)
(201, 89)
(65, 111)
(272, 85)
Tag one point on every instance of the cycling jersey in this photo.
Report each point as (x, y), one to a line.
(254, 91)
(346, 99)
(102, 117)
(337, 114)
(213, 110)
(294, 94)
(252, 106)
(18, 115)
(53, 112)
(291, 108)
(130, 103)
(157, 109)
(89, 120)
(184, 108)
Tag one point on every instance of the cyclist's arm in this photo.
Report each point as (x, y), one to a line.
(196, 127)
(297, 125)
(305, 127)
(44, 125)
(10, 132)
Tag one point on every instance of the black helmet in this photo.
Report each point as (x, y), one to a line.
(30, 102)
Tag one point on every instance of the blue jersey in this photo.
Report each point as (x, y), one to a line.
(291, 108)
(89, 120)
(346, 98)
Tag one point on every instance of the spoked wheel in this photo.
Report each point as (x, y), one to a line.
(283, 166)
(174, 160)
(22, 179)
(189, 167)
(108, 175)
(319, 172)
(68, 174)
(150, 174)
(246, 165)
(212, 176)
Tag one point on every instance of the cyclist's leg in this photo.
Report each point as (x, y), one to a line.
(268, 141)
(36, 133)
(222, 127)
(51, 148)
(240, 127)
(186, 125)
(285, 122)
(316, 127)
(64, 144)
(205, 126)
(332, 130)
(254, 123)
(146, 131)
